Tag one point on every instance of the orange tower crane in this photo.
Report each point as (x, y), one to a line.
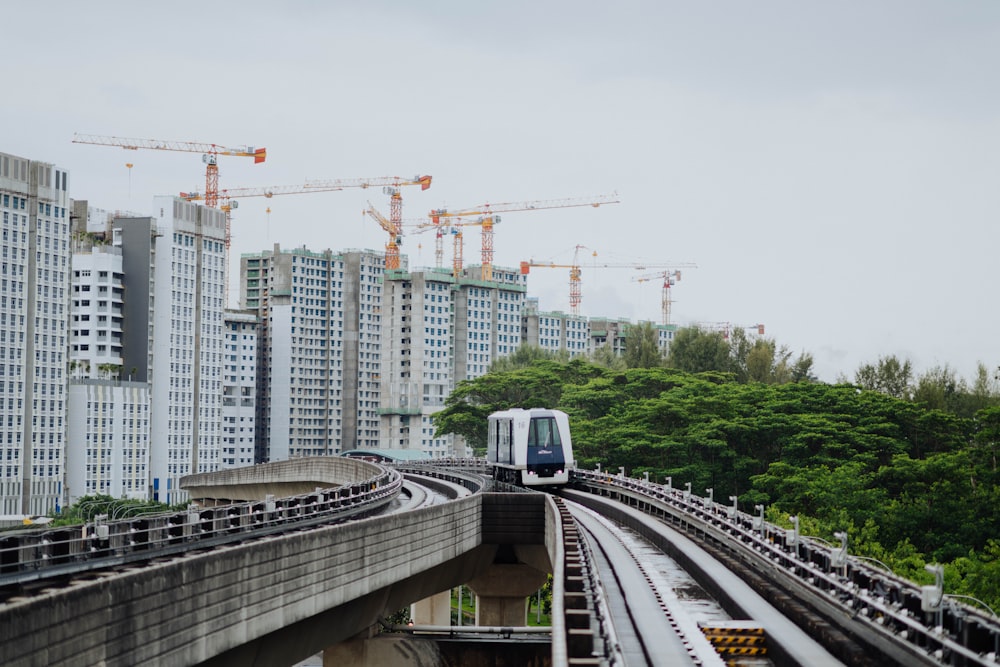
(390, 186)
(210, 154)
(670, 278)
(395, 230)
(488, 218)
(575, 273)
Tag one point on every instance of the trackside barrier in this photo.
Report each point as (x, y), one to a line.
(31, 555)
(899, 618)
(589, 635)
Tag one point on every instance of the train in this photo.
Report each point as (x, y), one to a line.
(530, 447)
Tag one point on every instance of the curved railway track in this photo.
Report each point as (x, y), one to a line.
(647, 631)
(608, 607)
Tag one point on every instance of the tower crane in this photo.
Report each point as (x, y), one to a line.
(575, 272)
(390, 186)
(670, 278)
(230, 200)
(395, 231)
(210, 154)
(725, 328)
(488, 218)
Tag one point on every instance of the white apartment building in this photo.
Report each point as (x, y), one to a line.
(554, 331)
(174, 269)
(107, 448)
(444, 330)
(612, 332)
(108, 415)
(320, 341)
(239, 389)
(34, 293)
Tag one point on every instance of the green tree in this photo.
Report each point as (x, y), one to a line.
(889, 376)
(696, 351)
(642, 346)
(525, 355)
(940, 389)
(605, 356)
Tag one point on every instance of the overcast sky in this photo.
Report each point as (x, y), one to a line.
(832, 168)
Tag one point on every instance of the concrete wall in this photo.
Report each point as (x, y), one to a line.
(280, 479)
(270, 602)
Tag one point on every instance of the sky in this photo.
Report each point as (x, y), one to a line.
(832, 169)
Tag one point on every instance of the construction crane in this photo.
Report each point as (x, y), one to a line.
(575, 272)
(230, 200)
(390, 186)
(725, 328)
(210, 154)
(395, 230)
(488, 218)
(670, 278)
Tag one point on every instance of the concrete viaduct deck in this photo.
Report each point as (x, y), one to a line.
(273, 600)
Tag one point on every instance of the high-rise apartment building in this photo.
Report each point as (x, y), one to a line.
(443, 330)
(320, 340)
(612, 333)
(174, 271)
(107, 439)
(34, 293)
(239, 389)
(554, 331)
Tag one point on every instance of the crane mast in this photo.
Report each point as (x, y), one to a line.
(670, 278)
(391, 186)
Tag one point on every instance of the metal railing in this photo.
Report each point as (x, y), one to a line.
(28, 555)
(910, 623)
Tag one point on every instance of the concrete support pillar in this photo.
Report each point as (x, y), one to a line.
(382, 650)
(435, 610)
(502, 593)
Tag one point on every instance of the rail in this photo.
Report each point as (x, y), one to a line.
(911, 624)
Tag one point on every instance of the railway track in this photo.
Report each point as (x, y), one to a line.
(648, 630)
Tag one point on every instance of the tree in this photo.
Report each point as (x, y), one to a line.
(802, 369)
(889, 376)
(939, 389)
(524, 356)
(642, 347)
(605, 356)
(697, 351)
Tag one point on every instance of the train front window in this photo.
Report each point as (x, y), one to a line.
(543, 433)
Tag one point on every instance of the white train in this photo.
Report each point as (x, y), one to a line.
(530, 447)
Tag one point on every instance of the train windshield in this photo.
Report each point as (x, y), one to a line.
(544, 433)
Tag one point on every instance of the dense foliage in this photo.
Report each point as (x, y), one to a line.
(910, 484)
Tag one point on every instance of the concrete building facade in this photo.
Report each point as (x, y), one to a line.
(445, 329)
(107, 448)
(239, 389)
(320, 349)
(555, 331)
(34, 309)
(174, 268)
(107, 439)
